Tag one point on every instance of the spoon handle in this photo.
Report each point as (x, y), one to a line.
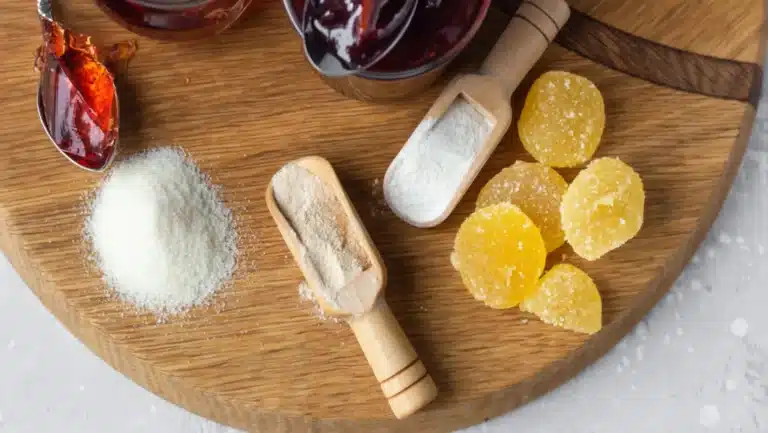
(401, 374)
(527, 36)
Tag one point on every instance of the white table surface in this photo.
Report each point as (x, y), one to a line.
(697, 363)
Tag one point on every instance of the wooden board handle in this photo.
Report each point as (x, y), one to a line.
(527, 36)
(401, 374)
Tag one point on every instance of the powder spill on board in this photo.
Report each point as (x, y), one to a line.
(307, 295)
(160, 233)
(428, 171)
(315, 214)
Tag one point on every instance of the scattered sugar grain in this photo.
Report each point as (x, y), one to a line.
(739, 327)
(709, 416)
(305, 292)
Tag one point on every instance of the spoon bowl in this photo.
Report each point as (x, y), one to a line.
(78, 122)
(345, 46)
(94, 169)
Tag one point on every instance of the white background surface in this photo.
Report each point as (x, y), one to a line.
(697, 363)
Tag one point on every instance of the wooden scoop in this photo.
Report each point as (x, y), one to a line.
(401, 374)
(527, 36)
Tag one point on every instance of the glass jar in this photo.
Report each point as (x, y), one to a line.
(175, 19)
(440, 30)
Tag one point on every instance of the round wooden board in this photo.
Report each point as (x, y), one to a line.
(245, 103)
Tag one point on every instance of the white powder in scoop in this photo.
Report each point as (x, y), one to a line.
(317, 218)
(427, 173)
(160, 234)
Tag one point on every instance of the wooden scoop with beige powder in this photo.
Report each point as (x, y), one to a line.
(346, 273)
(444, 154)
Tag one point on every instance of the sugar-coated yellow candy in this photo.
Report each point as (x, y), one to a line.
(537, 190)
(500, 255)
(602, 208)
(567, 297)
(562, 121)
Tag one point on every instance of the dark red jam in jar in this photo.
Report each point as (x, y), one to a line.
(357, 31)
(175, 19)
(436, 28)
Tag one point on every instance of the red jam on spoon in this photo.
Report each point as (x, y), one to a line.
(77, 97)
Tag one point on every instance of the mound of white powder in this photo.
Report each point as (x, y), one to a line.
(160, 234)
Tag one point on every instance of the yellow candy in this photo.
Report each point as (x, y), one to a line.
(563, 119)
(568, 298)
(602, 208)
(537, 190)
(500, 255)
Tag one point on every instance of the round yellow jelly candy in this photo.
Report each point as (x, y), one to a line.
(537, 190)
(563, 119)
(568, 298)
(602, 208)
(500, 255)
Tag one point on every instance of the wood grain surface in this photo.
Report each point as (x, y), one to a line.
(244, 103)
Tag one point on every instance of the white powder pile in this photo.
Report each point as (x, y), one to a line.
(427, 173)
(160, 234)
(316, 216)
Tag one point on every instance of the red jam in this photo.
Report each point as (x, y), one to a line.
(175, 18)
(436, 28)
(355, 31)
(78, 95)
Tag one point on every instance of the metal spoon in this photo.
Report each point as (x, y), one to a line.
(107, 162)
(45, 11)
(327, 49)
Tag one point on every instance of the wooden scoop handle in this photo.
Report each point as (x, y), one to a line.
(527, 36)
(401, 374)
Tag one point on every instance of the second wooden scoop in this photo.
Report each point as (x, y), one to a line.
(403, 378)
(528, 34)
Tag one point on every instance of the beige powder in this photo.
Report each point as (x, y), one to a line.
(315, 214)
